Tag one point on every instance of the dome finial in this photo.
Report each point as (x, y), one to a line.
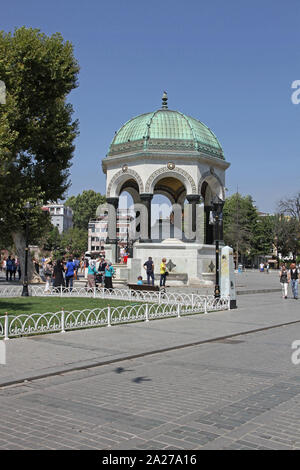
(165, 100)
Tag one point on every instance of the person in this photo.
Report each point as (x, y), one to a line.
(4, 265)
(81, 265)
(163, 272)
(58, 274)
(14, 268)
(109, 272)
(92, 271)
(69, 276)
(125, 257)
(48, 271)
(9, 268)
(140, 281)
(18, 268)
(76, 262)
(101, 269)
(149, 267)
(283, 276)
(261, 267)
(293, 278)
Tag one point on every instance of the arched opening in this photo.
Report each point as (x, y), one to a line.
(167, 209)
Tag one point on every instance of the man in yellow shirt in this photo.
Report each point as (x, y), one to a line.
(163, 270)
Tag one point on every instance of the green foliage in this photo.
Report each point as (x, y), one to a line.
(84, 207)
(286, 232)
(239, 219)
(36, 127)
(262, 240)
(75, 241)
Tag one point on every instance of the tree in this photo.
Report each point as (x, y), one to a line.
(262, 240)
(239, 219)
(75, 241)
(290, 206)
(36, 121)
(286, 235)
(84, 207)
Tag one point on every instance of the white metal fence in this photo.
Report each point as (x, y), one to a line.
(149, 305)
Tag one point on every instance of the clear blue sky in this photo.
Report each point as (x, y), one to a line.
(227, 63)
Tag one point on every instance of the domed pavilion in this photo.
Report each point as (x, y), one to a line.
(168, 153)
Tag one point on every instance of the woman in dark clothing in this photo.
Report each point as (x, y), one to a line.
(58, 274)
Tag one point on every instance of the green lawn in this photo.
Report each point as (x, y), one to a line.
(17, 306)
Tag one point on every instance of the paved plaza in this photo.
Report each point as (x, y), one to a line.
(224, 380)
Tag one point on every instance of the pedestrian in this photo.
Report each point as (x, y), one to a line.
(163, 272)
(19, 269)
(92, 271)
(149, 267)
(109, 273)
(101, 269)
(76, 262)
(48, 272)
(261, 267)
(140, 281)
(69, 276)
(293, 278)
(14, 268)
(58, 274)
(9, 268)
(283, 276)
(81, 265)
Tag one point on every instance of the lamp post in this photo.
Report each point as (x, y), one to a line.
(217, 213)
(25, 292)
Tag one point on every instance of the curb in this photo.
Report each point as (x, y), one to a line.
(140, 355)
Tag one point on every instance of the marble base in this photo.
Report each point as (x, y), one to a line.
(194, 259)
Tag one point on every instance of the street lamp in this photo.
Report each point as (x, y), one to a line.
(217, 205)
(25, 292)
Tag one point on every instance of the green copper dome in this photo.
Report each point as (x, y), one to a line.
(165, 129)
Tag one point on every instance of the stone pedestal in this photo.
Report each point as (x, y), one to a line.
(192, 259)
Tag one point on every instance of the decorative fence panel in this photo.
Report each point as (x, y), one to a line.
(148, 306)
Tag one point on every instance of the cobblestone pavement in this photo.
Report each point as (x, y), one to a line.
(235, 393)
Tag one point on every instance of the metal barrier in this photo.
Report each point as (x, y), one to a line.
(147, 306)
(49, 322)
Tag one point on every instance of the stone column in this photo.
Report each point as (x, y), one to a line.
(113, 203)
(193, 200)
(146, 199)
(209, 228)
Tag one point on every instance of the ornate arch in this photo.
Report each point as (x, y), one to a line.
(214, 183)
(181, 174)
(120, 178)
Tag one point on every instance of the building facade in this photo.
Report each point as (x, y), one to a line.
(61, 216)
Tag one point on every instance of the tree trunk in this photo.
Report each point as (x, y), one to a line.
(20, 244)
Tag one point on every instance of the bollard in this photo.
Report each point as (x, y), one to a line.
(178, 310)
(63, 321)
(192, 301)
(6, 338)
(94, 292)
(61, 287)
(205, 305)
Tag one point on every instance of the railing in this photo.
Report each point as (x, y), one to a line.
(36, 323)
(161, 297)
